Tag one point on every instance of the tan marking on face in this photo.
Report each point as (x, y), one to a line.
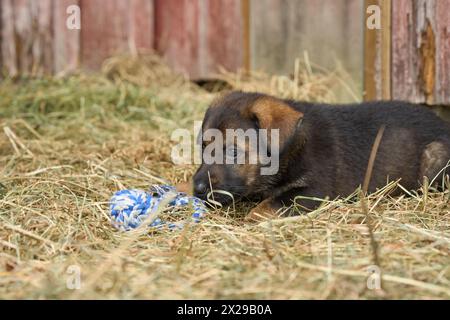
(249, 171)
(275, 114)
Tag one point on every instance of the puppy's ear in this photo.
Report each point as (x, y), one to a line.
(271, 113)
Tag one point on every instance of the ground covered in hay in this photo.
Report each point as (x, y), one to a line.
(66, 144)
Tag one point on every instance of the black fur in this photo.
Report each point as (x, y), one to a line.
(328, 154)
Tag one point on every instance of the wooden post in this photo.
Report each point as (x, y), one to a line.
(245, 8)
(1, 41)
(377, 54)
(386, 49)
(66, 43)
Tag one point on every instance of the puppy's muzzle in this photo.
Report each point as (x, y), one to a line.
(200, 189)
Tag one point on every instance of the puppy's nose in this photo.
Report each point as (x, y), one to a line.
(200, 188)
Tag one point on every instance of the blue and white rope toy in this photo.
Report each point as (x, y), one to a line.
(129, 208)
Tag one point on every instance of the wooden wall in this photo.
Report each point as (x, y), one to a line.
(329, 31)
(409, 58)
(198, 36)
(26, 35)
(195, 36)
(114, 26)
(35, 38)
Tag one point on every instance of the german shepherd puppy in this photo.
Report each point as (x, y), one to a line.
(323, 150)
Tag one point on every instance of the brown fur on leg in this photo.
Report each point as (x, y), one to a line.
(185, 187)
(263, 211)
(434, 159)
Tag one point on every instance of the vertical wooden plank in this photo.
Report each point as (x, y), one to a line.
(426, 38)
(27, 36)
(245, 12)
(66, 42)
(113, 27)
(42, 37)
(23, 40)
(177, 34)
(268, 25)
(8, 47)
(377, 54)
(141, 25)
(404, 59)
(421, 50)
(224, 27)
(353, 33)
(386, 7)
(22, 35)
(104, 32)
(1, 40)
(442, 92)
(282, 31)
(370, 58)
(197, 36)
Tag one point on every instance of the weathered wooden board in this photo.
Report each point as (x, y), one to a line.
(1, 41)
(7, 47)
(442, 90)
(141, 25)
(197, 36)
(377, 51)
(42, 48)
(113, 27)
(177, 34)
(409, 58)
(66, 42)
(421, 50)
(224, 36)
(13, 52)
(329, 31)
(406, 80)
(27, 37)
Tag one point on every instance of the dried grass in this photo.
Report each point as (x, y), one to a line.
(67, 144)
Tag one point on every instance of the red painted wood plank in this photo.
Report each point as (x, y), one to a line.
(66, 42)
(224, 27)
(113, 27)
(141, 24)
(196, 37)
(104, 32)
(421, 51)
(1, 41)
(177, 34)
(443, 52)
(404, 58)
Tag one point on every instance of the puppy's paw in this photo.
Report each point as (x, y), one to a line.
(264, 211)
(185, 187)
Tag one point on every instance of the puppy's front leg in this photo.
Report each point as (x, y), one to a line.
(269, 208)
(263, 211)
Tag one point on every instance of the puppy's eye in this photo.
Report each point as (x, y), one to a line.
(256, 122)
(232, 152)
